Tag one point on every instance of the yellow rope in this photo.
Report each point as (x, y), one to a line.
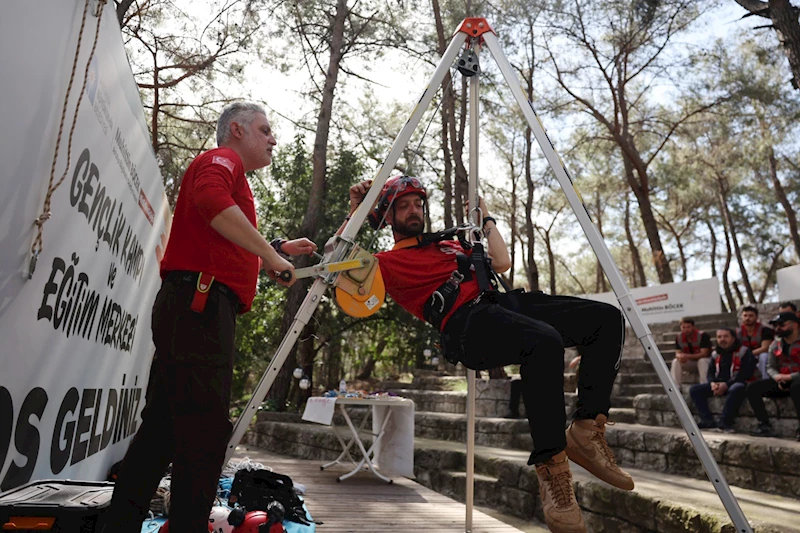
(38, 243)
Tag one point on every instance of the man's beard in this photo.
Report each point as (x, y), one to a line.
(782, 333)
(404, 228)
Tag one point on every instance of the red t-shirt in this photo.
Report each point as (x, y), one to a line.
(411, 275)
(213, 182)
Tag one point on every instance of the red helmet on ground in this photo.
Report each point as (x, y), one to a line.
(252, 521)
(394, 188)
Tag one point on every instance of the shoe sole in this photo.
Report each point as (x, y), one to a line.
(575, 455)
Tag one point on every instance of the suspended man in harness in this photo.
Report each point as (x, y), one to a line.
(452, 285)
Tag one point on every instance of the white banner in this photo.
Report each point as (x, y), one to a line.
(789, 283)
(671, 301)
(76, 342)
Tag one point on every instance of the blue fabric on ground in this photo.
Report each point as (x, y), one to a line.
(152, 525)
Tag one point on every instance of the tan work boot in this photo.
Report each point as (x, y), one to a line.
(561, 511)
(587, 446)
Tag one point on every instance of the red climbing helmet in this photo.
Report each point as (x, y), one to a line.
(252, 521)
(394, 188)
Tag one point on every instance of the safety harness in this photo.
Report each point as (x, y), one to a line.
(788, 356)
(444, 298)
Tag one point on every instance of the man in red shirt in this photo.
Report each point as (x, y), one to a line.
(437, 281)
(209, 271)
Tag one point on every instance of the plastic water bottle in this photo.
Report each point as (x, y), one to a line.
(343, 387)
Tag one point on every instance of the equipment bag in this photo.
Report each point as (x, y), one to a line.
(256, 489)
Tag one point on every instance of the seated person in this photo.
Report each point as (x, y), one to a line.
(788, 306)
(733, 365)
(783, 369)
(693, 352)
(756, 336)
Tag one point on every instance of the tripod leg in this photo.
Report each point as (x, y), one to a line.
(626, 301)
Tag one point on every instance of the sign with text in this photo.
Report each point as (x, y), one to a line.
(76, 336)
(789, 283)
(671, 301)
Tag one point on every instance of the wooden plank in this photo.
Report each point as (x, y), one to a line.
(365, 504)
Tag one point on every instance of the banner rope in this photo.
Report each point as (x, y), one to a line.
(38, 243)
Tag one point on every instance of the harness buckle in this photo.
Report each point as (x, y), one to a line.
(456, 278)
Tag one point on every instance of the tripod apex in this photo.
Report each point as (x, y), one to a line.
(475, 27)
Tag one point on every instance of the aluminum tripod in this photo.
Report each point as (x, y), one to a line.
(474, 31)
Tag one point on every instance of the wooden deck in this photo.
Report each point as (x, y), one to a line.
(365, 504)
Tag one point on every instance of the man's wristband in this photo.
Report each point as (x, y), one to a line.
(489, 219)
(277, 244)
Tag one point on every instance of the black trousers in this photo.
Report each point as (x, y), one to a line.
(185, 420)
(532, 329)
(769, 388)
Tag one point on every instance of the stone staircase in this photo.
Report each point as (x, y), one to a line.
(672, 492)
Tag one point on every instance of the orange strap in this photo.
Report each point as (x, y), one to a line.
(200, 299)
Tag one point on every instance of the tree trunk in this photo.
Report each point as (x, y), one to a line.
(310, 225)
(723, 192)
(333, 362)
(773, 268)
(638, 268)
(713, 254)
(634, 166)
(532, 271)
(513, 223)
(457, 143)
(122, 8)
(713, 258)
(785, 21)
(791, 216)
(368, 369)
(728, 257)
(447, 110)
(600, 277)
(551, 262)
(738, 293)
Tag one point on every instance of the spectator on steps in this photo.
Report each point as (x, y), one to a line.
(756, 336)
(783, 368)
(788, 306)
(733, 365)
(693, 351)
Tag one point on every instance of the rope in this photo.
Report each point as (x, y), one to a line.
(37, 246)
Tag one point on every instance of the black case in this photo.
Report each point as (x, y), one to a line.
(75, 505)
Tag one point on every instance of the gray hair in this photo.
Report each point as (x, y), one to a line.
(239, 112)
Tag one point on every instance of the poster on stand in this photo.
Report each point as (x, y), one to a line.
(76, 336)
(671, 301)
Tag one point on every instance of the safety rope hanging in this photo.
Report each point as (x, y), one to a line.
(38, 242)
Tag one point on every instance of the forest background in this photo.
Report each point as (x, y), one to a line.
(677, 120)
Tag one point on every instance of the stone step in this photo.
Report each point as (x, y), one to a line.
(657, 410)
(633, 389)
(772, 465)
(436, 401)
(637, 378)
(622, 415)
(621, 401)
(661, 502)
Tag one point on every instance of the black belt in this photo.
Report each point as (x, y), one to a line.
(187, 276)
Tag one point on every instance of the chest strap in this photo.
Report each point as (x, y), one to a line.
(443, 299)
